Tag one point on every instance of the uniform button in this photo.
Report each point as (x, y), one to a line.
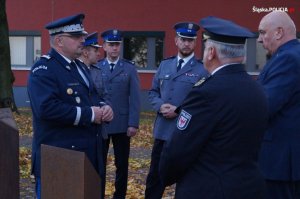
(72, 146)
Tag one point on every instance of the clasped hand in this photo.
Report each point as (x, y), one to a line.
(168, 110)
(102, 114)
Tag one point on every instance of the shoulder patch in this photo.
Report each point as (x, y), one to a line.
(46, 56)
(183, 120)
(40, 67)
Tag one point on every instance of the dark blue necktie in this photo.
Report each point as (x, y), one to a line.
(112, 65)
(180, 62)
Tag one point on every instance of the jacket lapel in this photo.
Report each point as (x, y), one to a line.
(187, 67)
(117, 70)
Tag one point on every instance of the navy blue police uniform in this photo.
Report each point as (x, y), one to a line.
(96, 74)
(279, 157)
(94, 71)
(61, 101)
(123, 87)
(170, 86)
(212, 153)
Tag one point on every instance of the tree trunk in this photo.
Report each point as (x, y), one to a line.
(6, 75)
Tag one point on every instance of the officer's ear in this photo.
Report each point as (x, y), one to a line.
(58, 40)
(211, 52)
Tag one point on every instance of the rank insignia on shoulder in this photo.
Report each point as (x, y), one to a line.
(183, 120)
(200, 82)
(46, 56)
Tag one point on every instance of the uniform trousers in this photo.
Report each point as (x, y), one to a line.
(38, 187)
(121, 146)
(283, 189)
(154, 187)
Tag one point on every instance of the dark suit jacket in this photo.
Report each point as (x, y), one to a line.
(213, 152)
(61, 105)
(280, 153)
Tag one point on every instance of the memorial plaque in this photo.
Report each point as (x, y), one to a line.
(68, 174)
(9, 155)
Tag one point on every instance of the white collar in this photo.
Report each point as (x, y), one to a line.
(186, 59)
(115, 62)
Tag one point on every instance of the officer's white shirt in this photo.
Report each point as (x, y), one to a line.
(186, 59)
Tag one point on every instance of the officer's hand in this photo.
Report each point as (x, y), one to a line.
(107, 113)
(98, 112)
(170, 113)
(164, 108)
(131, 131)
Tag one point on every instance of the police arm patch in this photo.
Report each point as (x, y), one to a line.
(183, 120)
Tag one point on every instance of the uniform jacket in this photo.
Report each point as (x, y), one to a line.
(58, 95)
(170, 86)
(280, 153)
(123, 89)
(212, 153)
(97, 79)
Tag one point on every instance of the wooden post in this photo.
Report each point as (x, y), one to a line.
(9, 155)
(68, 174)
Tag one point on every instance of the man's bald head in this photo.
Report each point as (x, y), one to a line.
(275, 29)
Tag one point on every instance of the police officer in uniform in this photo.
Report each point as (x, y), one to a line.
(64, 102)
(212, 153)
(89, 59)
(171, 83)
(123, 86)
(279, 157)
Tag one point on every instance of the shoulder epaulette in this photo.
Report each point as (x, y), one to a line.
(80, 60)
(46, 56)
(95, 66)
(101, 60)
(201, 81)
(129, 61)
(172, 57)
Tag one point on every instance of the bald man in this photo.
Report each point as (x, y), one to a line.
(279, 157)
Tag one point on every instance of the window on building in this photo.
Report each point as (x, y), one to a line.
(144, 48)
(25, 48)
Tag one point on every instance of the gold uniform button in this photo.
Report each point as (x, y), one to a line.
(70, 91)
